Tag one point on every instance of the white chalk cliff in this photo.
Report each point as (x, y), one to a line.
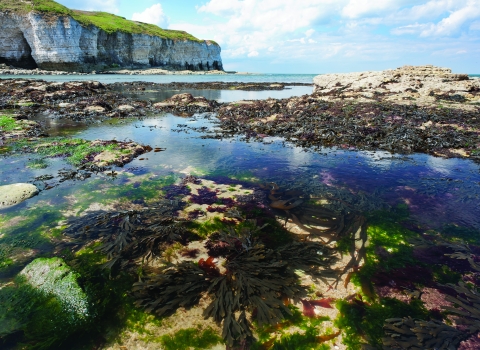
(36, 40)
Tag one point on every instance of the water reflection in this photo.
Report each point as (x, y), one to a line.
(223, 95)
(437, 191)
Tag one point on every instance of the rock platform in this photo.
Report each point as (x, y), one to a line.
(421, 85)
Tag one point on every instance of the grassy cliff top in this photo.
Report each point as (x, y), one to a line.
(106, 21)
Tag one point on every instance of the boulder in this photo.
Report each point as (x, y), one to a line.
(16, 193)
(125, 108)
(46, 304)
(94, 109)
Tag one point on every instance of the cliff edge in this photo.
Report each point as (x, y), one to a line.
(44, 34)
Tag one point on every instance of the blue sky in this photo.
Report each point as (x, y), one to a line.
(319, 36)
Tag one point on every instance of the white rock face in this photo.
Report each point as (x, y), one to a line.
(13, 194)
(61, 43)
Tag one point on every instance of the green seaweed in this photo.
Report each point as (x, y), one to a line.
(191, 338)
(385, 233)
(7, 123)
(457, 233)
(75, 150)
(147, 190)
(15, 240)
(363, 323)
(37, 164)
(310, 328)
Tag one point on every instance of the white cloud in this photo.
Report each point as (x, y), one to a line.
(309, 33)
(360, 8)
(459, 17)
(453, 23)
(337, 30)
(154, 15)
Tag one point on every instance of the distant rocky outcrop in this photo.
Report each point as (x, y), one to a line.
(60, 42)
(408, 84)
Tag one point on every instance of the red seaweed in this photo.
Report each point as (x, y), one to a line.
(209, 266)
(325, 302)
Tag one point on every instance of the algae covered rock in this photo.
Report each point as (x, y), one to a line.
(45, 303)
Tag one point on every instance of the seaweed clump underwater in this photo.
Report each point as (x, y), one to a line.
(254, 282)
(246, 279)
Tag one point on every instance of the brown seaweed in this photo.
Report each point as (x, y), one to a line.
(256, 281)
(408, 333)
(130, 235)
(179, 285)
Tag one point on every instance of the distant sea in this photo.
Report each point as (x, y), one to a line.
(243, 78)
(113, 78)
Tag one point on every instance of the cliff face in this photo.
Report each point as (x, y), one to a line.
(61, 43)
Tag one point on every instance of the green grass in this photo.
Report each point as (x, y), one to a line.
(37, 5)
(111, 23)
(106, 21)
(7, 123)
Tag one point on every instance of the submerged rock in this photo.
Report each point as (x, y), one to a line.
(16, 193)
(44, 306)
(53, 278)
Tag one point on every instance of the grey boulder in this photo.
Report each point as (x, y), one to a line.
(16, 193)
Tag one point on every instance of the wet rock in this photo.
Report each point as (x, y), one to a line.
(186, 104)
(65, 105)
(94, 109)
(128, 152)
(46, 304)
(125, 108)
(14, 194)
(53, 277)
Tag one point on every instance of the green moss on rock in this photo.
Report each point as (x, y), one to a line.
(46, 303)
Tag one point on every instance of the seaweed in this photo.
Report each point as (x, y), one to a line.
(323, 223)
(409, 333)
(179, 285)
(468, 301)
(255, 281)
(129, 235)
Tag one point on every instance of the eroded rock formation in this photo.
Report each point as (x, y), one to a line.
(423, 85)
(61, 43)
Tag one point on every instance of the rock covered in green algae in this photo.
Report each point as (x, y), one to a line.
(52, 277)
(45, 304)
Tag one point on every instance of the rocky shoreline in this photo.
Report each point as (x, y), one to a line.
(10, 70)
(411, 109)
(324, 262)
